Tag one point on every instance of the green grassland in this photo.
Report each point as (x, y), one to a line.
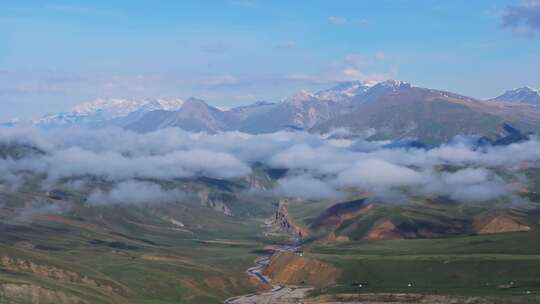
(133, 254)
(474, 265)
(142, 254)
(452, 260)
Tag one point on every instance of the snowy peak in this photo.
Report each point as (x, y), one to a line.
(343, 90)
(115, 107)
(338, 93)
(373, 93)
(104, 110)
(392, 84)
(166, 104)
(524, 94)
(300, 97)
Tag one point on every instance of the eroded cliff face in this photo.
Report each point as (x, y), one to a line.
(215, 202)
(283, 222)
(292, 269)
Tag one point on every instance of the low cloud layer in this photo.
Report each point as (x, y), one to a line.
(319, 168)
(133, 193)
(306, 187)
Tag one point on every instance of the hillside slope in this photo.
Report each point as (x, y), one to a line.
(431, 116)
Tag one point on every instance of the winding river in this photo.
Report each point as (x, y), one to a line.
(279, 293)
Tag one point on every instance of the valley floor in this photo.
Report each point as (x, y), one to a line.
(495, 268)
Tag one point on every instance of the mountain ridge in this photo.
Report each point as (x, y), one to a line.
(395, 109)
(523, 94)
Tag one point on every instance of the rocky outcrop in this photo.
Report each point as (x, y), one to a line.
(256, 182)
(215, 202)
(282, 220)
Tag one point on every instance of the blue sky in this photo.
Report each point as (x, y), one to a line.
(55, 54)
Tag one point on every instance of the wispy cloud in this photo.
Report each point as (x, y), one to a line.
(305, 186)
(345, 74)
(351, 67)
(220, 80)
(337, 20)
(523, 19)
(134, 193)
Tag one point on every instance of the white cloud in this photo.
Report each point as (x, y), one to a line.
(133, 193)
(363, 67)
(523, 19)
(306, 187)
(319, 167)
(337, 20)
(220, 80)
(376, 173)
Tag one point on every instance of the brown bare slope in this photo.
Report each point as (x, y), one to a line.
(500, 224)
(292, 269)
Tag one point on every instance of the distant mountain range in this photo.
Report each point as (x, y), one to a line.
(389, 110)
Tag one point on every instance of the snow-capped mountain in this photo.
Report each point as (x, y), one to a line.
(300, 97)
(304, 109)
(194, 115)
(373, 93)
(301, 110)
(520, 95)
(114, 107)
(110, 110)
(390, 109)
(344, 90)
